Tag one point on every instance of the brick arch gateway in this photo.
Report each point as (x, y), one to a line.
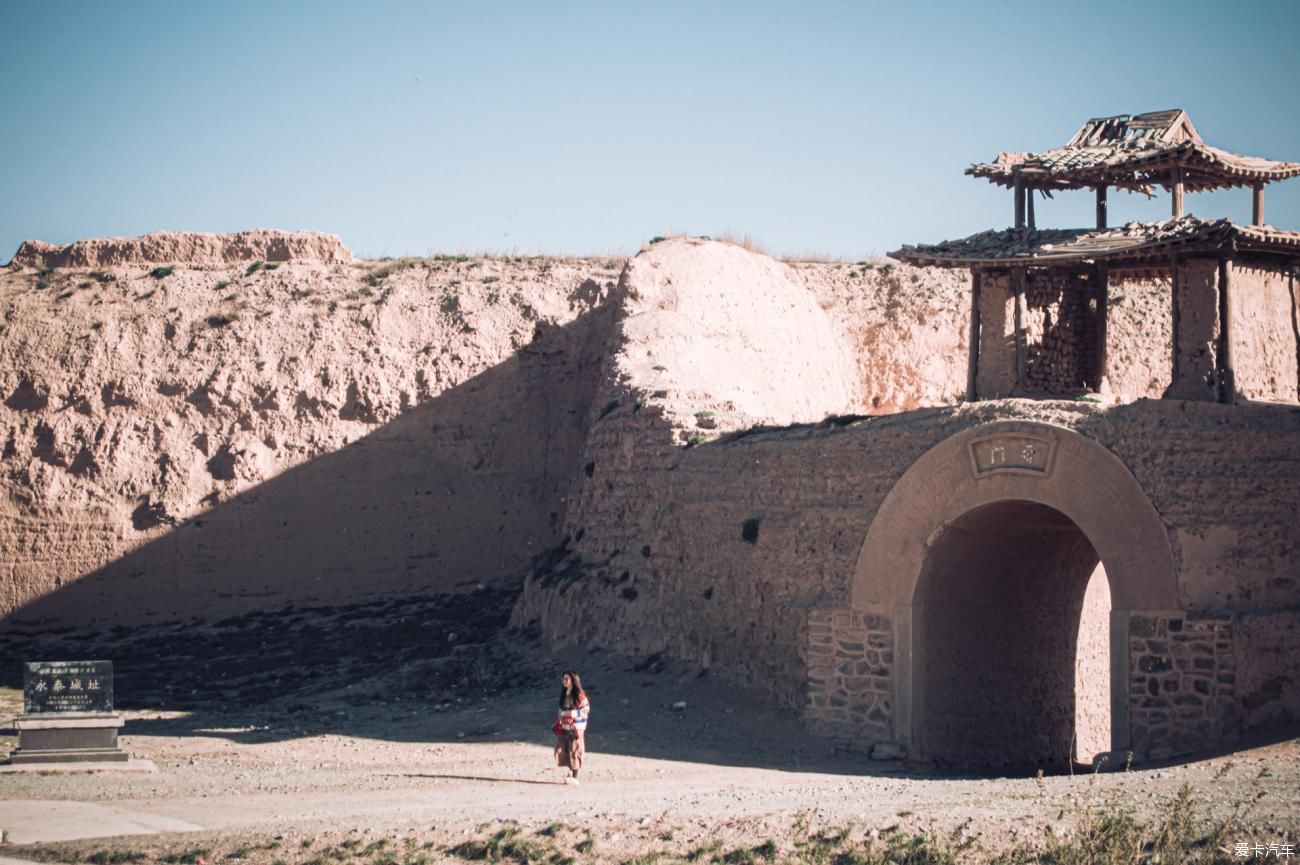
(980, 557)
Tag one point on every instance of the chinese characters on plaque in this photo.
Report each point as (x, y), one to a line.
(52, 687)
(1013, 452)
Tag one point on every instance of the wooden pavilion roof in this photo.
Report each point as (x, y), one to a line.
(1135, 242)
(1135, 152)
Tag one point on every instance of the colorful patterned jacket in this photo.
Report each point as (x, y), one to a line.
(576, 718)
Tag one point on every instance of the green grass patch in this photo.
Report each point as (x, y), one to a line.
(505, 845)
(704, 851)
(376, 277)
(651, 858)
(162, 271)
(114, 857)
(188, 857)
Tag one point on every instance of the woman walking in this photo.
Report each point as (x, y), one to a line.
(571, 726)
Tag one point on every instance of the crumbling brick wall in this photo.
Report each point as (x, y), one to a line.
(1060, 332)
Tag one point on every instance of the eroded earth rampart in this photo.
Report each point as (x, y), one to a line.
(764, 469)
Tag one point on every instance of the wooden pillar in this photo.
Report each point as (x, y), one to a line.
(1019, 189)
(1103, 304)
(1029, 207)
(1227, 385)
(1257, 205)
(1101, 208)
(1018, 285)
(973, 353)
(1175, 316)
(1177, 190)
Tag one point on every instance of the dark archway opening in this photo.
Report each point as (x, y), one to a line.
(1012, 647)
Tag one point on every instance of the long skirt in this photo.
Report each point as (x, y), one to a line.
(569, 750)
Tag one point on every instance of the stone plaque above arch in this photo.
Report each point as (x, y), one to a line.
(1028, 461)
(1019, 453)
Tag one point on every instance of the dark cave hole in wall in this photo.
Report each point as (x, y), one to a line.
(1012, 642)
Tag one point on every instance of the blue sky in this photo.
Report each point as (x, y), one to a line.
(415, 128)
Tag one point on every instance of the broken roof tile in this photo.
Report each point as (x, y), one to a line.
(1135, 152)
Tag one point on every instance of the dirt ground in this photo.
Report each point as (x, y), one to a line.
(424, 752)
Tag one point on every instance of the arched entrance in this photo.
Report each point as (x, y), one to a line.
(990, 556)
(1010, 663)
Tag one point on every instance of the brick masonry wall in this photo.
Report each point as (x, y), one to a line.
(660, 558)
(1058, 348)
(850, 658)
(1183, 683)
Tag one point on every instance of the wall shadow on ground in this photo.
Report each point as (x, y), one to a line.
(723, 723)
(429, 669)
(390, 665)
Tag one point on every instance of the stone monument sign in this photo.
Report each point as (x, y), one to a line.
(67, 714)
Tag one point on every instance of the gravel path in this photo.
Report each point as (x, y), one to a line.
(730, 765)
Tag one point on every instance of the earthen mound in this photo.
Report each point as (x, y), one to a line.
(712, 330)
(193, 249)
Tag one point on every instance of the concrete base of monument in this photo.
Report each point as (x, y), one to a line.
(68, 738)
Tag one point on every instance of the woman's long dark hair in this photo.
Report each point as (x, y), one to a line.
(569, 696)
